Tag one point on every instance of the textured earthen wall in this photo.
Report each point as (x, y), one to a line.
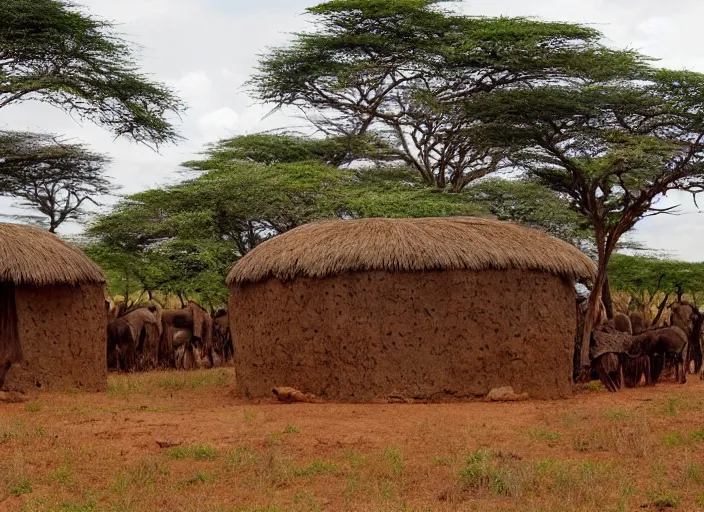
(432, 335)
(63, 335)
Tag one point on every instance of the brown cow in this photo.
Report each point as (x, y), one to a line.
(661, 345)
(622, 323)
(193, 318)
(638, 324)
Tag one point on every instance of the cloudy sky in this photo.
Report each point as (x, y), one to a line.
(206, 49)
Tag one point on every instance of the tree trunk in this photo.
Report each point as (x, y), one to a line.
(590, 320)
(661, 308)
(606, 298)
(180, 297)
(604, 249)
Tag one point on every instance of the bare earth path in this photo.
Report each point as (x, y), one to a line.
(640, 449)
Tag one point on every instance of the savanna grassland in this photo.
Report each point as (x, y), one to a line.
(182, 442)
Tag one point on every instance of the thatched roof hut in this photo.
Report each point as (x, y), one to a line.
(52, 313)
(425, 308)
(329, 248)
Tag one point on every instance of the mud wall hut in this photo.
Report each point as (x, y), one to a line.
(418, 308)
(52, 314)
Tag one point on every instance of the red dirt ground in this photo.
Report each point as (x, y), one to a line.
(640, 449)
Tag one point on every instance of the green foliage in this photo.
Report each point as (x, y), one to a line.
(315, 468)
(635, 274)
(405, 67)
(613, 148)
(394, 459)
(50, 175)
(530, 204)
(182, 239)
(52, 52)
(282, 148)
(198, 452)
(24, 487)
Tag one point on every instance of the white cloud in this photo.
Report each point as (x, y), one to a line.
(195, 88)
(218, 123)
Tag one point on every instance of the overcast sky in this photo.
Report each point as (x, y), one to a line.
(206, 49)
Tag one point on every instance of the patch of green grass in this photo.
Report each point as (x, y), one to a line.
(6, 436)
(480, 473)
(356, 459)
(33, 407)
(697, 435)
(182, 380)
(671, 406)
(315, 468)
(249, 414)
(665, 499)
(199, 478)
(510, 476)
(675, 439)
(61, 475)
(679, 439)
(241, 457)
(441, 461)
(197, 452)
(24, 487)
(618, 414)
(699, 500)
(387, 490)
(306, 500)
(581, 444)
(543, 434)
(594, 385)
(143, 475)
(393, 457)
(694, 473)
(11, 431)
(291, 430)
(352, 486)
(124, 385)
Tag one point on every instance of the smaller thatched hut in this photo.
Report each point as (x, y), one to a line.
(52, 314)
(419, 308)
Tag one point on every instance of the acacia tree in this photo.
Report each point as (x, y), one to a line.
(652, 276)
(52, 52)
(403, 67)
(50, 175)
(613, 150)
(290, 147)
(181, 238)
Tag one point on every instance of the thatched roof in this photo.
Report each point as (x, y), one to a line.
(332, 247)
(33, 256)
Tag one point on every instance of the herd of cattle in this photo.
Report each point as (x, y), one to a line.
(627, 351)
(147, 336)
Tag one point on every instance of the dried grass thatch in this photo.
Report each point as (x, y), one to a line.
(457, 243)
(33, 256)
